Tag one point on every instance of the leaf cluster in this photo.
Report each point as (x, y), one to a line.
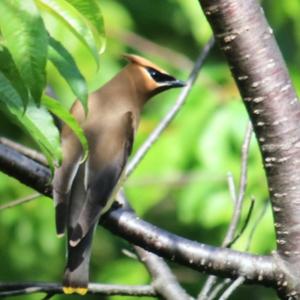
(27, 47)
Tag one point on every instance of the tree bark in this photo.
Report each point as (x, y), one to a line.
(247, 41)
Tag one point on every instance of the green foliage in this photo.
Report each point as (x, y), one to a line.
(58, 110)
(37, 121)
(25, 48)
(67, 67)
(25, 36)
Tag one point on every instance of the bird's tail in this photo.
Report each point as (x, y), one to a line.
(76, 277)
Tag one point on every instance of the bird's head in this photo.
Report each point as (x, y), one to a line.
(148, 78)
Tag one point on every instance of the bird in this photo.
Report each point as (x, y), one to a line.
(82, 190)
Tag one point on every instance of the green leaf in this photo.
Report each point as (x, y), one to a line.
(65, 12)
(36, 121)
(67, 67)
(92, 12)
(26, 39)
(9, 69)
(57, 109)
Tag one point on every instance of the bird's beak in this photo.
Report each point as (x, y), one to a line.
(175, 83)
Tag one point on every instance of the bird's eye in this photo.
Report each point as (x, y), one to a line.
(158, 76)
(154, 74)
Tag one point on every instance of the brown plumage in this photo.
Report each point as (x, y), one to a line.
(81, 191)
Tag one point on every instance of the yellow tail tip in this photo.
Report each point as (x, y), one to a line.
(78, 290)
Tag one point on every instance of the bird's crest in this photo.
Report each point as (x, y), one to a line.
(136, 59)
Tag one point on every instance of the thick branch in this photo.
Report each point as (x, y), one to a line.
(256, 63)
(123, 222)
(220, 261)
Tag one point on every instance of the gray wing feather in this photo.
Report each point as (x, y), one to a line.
(101, 183)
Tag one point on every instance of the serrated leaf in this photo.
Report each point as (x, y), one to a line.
(36, 121)
(57, 109)
(67, 67)
(76, 23)
(92, 12)
(26, 39)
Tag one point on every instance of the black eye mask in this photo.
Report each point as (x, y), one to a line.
(158, 76)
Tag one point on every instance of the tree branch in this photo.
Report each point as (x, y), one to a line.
(20, 201)
(239, 281)
(238, 200)
(14, 289)
(257, 66)
(33, 154)
(163, 280)
(123, 222)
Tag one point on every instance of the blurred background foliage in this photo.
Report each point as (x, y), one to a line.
(181, 185)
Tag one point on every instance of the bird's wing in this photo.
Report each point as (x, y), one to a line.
(102, 173)
(64, 176)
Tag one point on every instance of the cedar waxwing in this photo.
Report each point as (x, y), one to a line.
(81, 190)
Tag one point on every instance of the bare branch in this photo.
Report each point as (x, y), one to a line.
(238, 200)
(130, 254)
(207, 287)
(246, 222)
(256, 223)
(156, 133)
(123, 222)
(33, 154)
(242, 188)
(26, 170)
(231, 186)
(218, 288)
(163, 280)
(20, 201)
(14, 289)
(239, 281)
(254, 58)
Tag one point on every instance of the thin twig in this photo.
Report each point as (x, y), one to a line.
(218, 288)
(221, 285)
(242, 188)
(129, 254)
(14, 289)
(20, 201)
(31, 153)
(238, 282)
(153, 137)
(163, 280)
(231, 186)
(207, 287)
(249, 214)
(238, 203)
(255, 225)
